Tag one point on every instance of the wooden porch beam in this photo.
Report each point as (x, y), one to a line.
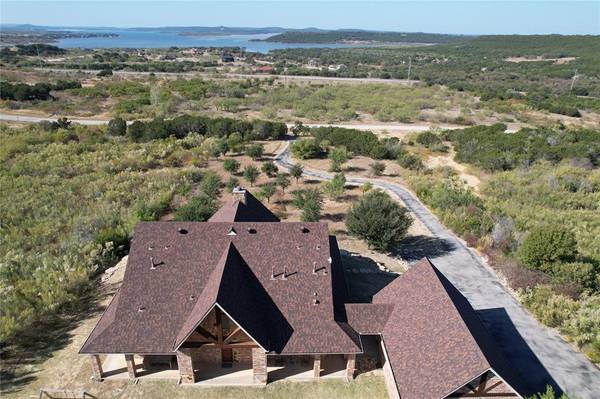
(230, 336)
(219, 318)
(200, 330)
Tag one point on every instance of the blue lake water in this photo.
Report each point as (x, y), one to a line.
(156, 39)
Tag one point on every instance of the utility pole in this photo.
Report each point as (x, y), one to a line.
(575, 77)
(409, 65)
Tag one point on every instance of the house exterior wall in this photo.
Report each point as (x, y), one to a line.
(242, 355)
(207, 354)
(390, 382)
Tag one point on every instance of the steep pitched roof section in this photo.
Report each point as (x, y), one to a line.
(368, 318)
(243, 207)
(434, 340)
(177, 270)
(233, 286)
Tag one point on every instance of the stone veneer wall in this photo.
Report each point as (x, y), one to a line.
(259, 366)
(186, 368)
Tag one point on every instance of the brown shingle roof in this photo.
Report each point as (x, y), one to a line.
(248, 210)
(183, 269)
(435, 341)
(368, 318)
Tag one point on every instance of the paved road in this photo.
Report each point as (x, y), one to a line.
(323, 79)
(537, 354)
(392, 128)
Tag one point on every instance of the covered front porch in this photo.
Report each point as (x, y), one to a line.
(247, 369)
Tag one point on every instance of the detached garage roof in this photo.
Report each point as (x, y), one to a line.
(435, 341)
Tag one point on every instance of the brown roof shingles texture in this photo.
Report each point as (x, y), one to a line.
(184, 264)
(252, 210)
(434, 340)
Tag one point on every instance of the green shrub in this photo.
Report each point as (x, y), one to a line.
(410, 161)
(153, 210)
(269, 168)
(198, 209)
(551, 309)
(117, 127)
(231, 165)
(379, 220)
(255, 151)
(547, 244)
(584, 275)
(306, 149)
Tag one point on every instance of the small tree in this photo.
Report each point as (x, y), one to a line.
(377, 219)
(377, 168)
(547, 244)
(338, 157)
(367, 187)
(251, 173)
(255, 151)
(117, 127)
(234, 142)
(268, 190)
(283, 181)
(231, 165)
(211, 184)
(299, 129)
(198, 209)
(310, 201)
(296, 171)
(269, 168)
(335, 187)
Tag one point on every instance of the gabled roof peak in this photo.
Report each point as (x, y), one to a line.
(243, 207)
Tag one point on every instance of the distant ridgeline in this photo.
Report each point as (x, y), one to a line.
(345, 36)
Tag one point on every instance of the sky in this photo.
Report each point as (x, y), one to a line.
(463, 17)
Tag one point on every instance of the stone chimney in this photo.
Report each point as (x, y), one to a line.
(239, 194)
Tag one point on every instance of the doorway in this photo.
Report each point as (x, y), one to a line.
(226, 357)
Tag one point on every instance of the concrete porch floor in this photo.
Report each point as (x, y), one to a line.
(115, 368)
(332, 366)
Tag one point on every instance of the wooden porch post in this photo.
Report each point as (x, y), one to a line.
(96, 367)
(129, 360)
(317, 366)
(350, 366)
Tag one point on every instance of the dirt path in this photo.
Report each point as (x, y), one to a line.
(390, 127)
(537, 353)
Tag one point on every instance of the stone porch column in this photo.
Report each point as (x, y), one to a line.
(350, 366)
(130, 366)
(259, 366)
(317, 366)
(186, 366)
(96, 367)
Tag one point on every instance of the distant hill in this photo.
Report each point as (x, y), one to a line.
(348, 36)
